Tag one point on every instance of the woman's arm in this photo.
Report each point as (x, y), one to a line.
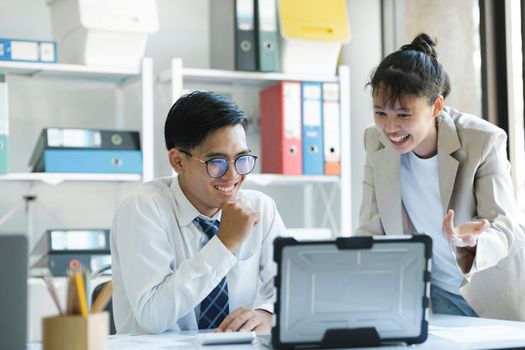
(486, 239)
(369, 219)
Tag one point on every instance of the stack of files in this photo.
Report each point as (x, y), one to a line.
(331, 129)
(4, 126)
(301, 128)
(244, 35)
(28, 50)
(280, 115)
(65, 150)
(58, 249)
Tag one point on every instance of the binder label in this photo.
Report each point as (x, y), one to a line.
(311, 116)
(78, 240)
(24, 50)
(73, 138)
(292, 110)
(245, 14)
(267, 16)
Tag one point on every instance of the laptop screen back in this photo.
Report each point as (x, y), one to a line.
(352, 284)
(13, 292)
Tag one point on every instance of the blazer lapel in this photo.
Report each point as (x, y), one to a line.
(448, 143)
(388, 189)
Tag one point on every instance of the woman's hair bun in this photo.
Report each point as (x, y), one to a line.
(422, 43)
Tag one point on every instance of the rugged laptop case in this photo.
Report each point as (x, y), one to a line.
(352, 292)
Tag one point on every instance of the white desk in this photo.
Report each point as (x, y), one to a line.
(439, 323)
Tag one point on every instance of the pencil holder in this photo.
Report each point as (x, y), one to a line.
(75, 332)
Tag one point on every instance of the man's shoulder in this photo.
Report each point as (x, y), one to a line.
(156, 189)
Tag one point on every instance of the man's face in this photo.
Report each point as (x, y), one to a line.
(209, 194)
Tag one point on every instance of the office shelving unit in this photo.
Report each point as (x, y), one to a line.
(57, 178)
(119, 77)
(328, 186)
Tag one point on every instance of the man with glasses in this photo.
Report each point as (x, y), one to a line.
(194, 251)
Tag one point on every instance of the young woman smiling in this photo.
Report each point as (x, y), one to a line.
(431, 169)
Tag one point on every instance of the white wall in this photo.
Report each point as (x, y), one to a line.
(362, 54)
(39, 104)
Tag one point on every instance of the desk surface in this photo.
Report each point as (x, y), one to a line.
(455, 332)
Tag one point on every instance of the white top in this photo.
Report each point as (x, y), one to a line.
(422, 200)
(163, 265)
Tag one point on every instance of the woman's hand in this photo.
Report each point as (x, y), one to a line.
(465, 235)
(464, 238)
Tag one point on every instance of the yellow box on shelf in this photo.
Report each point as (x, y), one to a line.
(312, 33)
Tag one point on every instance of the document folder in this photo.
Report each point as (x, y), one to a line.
(28, 50)
(89, 161)
(313, 154)
(57, 248)
(245, 58)
(232, 35)
(73, 240)
(331, 129)
(280, 110)
(88, 139)
(269, 56)
(349, 292)
(87, 150)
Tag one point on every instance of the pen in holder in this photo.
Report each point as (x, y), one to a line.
(78, 328)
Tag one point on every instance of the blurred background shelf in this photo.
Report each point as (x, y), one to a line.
(275, 179)
(238, 77)
(56, 178)
(69, 71)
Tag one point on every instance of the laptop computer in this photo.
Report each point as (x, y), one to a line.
(352, 292)
(13, 292)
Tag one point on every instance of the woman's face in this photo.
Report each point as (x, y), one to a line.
(408, 123)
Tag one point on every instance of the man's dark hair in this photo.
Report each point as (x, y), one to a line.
(195, 115)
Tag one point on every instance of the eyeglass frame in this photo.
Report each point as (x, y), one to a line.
(226, 160)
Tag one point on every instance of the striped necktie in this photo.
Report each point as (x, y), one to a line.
(215, 307)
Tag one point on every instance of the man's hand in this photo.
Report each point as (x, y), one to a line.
(464, 238)
(244, 319)
(237, 220)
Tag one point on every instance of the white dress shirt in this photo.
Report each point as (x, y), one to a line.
(163, 264)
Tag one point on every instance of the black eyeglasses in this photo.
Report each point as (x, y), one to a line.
(217, 167)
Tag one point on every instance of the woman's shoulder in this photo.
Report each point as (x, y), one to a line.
(371, 139)
(466, 123)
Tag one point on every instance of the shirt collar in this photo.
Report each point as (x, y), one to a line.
(186, 212)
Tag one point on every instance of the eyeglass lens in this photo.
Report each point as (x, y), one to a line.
(243, 165)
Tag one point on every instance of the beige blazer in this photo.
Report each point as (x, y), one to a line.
(474, 180)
